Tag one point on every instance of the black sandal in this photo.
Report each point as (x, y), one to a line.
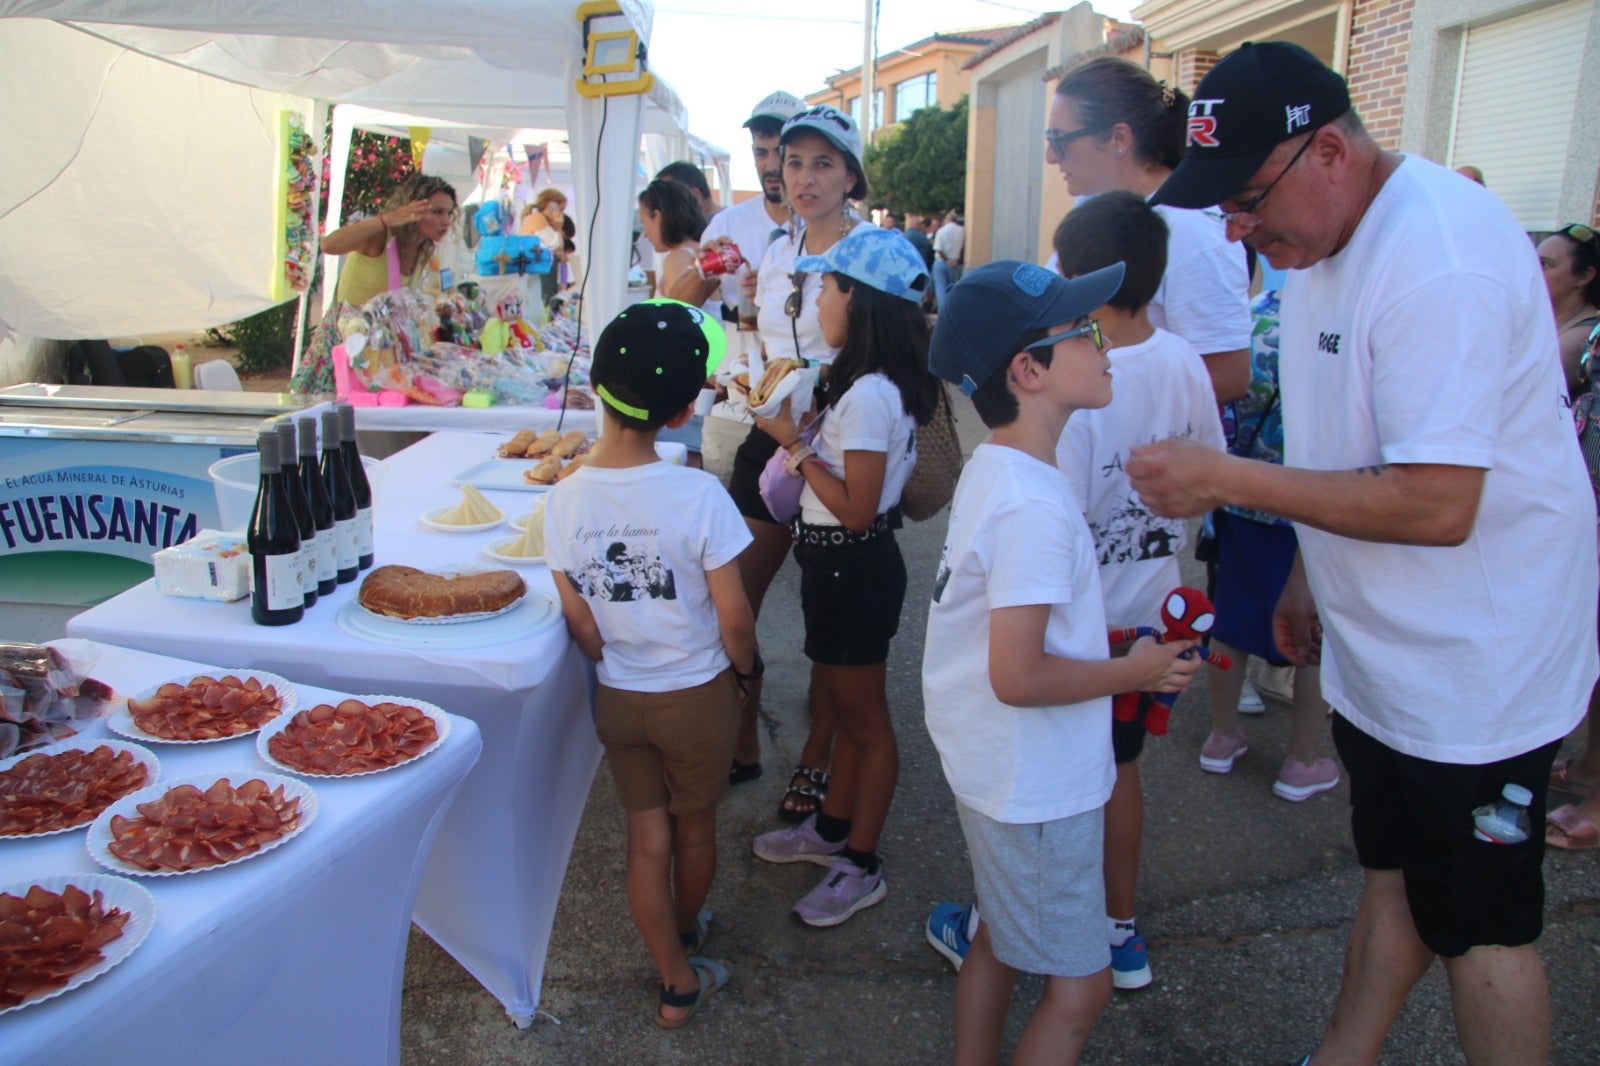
(744, 771)
(811, 794)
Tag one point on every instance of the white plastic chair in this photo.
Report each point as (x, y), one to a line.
(218, 374)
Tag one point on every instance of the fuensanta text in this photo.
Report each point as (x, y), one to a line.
(95, 517)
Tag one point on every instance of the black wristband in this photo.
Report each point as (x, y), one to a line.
(757, 668)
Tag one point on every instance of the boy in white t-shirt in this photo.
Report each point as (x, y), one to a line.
(1163, 392)
(1017, 674)
(643, 555)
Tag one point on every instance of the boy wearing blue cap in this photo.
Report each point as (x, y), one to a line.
(1017, 674)
(643, 555)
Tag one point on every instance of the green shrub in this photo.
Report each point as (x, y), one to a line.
(265, 340)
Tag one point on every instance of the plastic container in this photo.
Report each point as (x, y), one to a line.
(235, 479)
(1505, 821)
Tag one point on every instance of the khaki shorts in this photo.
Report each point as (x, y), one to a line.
(670, 749)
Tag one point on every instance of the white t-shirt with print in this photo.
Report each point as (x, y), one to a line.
(1017, 538)
(1159, 390)
(774, 284)
(869, 417)
(637, 543)
(1429, 340)
(1204, 296)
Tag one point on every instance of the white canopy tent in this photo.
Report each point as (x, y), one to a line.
(135, 196)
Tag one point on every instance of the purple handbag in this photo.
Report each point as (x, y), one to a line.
(780, 490)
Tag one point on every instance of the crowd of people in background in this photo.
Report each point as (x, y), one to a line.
(1336, 432)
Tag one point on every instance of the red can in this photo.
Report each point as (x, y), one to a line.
(720, 259)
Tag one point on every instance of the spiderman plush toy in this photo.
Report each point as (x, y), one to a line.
(1188, 615)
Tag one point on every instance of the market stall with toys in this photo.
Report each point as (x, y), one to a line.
(406, 615)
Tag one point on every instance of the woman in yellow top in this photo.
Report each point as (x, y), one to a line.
(410, 232)
(389, 250)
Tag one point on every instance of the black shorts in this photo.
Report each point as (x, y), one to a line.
(851, 595)
(1127, 738)
(745, 485)
(1415, 816)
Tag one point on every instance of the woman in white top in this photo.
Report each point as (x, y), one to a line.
(820, 150)
(852, 577)
(1113, 126)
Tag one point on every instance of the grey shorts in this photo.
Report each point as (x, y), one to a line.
(1041, 891)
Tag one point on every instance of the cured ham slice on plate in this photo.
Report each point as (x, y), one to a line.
(69, 785)
(360, 735)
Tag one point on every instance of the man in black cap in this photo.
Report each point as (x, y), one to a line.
(1447, 578)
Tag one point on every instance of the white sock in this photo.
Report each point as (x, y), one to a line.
(972, 922)
(1120, 931)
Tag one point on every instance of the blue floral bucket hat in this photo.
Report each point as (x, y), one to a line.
(881, 258)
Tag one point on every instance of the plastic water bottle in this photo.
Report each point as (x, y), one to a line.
(1506, 820)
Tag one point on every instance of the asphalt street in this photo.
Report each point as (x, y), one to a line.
(1245, 903)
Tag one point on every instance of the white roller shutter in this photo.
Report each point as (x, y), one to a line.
(1515, 101)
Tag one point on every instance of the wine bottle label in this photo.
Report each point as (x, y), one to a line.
(364, 531)
(306, 566)
(283, 582)
(344, 544)
(327, 569)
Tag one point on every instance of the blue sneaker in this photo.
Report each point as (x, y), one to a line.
(947, 930)
(1130, 967)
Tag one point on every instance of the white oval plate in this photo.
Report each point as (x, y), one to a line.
(99, 838)
(431, 520)
(121, 720)
(441, 722)
(114, 892)
(152, 766)
(496, 551)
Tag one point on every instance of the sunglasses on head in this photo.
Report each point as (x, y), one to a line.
(1578, 232)
(1090, 329)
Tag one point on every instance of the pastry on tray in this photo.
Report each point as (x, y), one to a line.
(406, 592)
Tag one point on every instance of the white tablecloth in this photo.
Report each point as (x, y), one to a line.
(296, 955)
(499, 418)
(489, 891)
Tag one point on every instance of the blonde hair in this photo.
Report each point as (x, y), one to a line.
(547, 196)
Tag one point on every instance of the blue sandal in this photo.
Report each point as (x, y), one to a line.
(714, 975)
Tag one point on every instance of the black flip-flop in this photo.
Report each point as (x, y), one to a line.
(743, 771)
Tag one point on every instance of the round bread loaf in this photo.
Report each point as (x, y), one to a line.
(406, 592)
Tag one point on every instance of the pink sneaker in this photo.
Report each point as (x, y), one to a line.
(1219, 751)
(1297, 781)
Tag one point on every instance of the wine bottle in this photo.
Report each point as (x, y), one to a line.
(316, 491)
(274, 542)
(358, 481)
(346, 560)
(306, 562)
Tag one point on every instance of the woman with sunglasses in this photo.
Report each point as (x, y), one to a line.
(1113, 126)
(391, 249)
(820, 159)
(1570, 258)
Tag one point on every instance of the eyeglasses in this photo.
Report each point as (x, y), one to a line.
(791, 306)
(1578, 232)
(1090, 329)
(1059, 139)
(1250, 208)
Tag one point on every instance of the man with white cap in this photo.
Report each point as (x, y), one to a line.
(1447, 575)
(751, 225)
